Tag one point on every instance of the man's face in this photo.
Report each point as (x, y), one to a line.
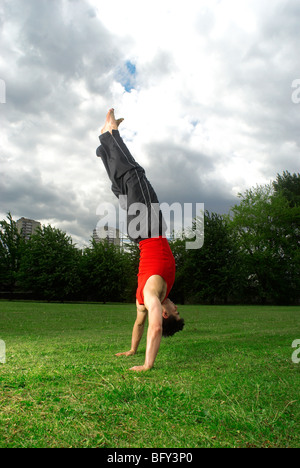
(170, 309)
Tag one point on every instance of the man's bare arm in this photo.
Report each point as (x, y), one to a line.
(137, 332)
(154, 292)
(154, 333)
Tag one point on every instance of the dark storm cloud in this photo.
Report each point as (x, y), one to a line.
(260, 68)
(63, 69)
(54, 52)
(182, 175)
(56, 43)
(26, 192)
(256, 71)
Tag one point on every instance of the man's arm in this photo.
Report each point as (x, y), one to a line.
(137, 332)
(154, 333)
(154, 291)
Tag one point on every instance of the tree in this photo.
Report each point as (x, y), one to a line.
(264, 228)
(289, 186)
(209, 274)
(50, 265)
(180, 289)
(105, 272)
(10, 253)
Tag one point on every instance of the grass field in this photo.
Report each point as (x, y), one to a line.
(227, 380)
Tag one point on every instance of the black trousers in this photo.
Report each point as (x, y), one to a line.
(128, 178)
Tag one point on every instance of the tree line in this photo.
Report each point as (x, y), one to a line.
(250, 255)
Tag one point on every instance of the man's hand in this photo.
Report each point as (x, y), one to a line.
(128, 353)
(140, 368)
(111, 123)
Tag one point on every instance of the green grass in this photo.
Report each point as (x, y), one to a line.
(227, 380)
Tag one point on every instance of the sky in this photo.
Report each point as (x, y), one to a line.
(208, 90)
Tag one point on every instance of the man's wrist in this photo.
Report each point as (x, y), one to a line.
(146, 367)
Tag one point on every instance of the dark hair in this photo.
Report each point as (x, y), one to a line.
(172, 326)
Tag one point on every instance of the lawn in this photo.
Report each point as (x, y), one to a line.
(227, 380)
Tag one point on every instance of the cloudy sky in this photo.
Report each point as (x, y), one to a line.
(205, 88)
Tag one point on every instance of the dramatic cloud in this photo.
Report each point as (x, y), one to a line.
(206, 92)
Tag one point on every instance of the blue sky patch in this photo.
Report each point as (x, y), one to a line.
(126, 76)
(131, 68)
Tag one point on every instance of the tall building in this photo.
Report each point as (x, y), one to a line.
(112, 235)
(27, 227)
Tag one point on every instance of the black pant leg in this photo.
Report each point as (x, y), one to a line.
(117, 159)
(143, 210)
(128, 178)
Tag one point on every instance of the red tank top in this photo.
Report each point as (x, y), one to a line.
(156, 258)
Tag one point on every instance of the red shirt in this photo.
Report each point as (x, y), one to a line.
(156, 258)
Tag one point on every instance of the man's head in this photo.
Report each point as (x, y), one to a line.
(172, 323)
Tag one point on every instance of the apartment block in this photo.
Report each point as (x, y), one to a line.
(112, 235)
(27, 227)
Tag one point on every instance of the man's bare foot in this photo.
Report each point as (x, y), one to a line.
(111, 123)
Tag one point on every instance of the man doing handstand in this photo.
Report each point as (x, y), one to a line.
(157, 265)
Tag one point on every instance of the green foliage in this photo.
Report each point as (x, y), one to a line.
(49, 266)
(208, 274)
(249, 256)
(289, 186)
(265, 226)
(105, 272)
(10, 253)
